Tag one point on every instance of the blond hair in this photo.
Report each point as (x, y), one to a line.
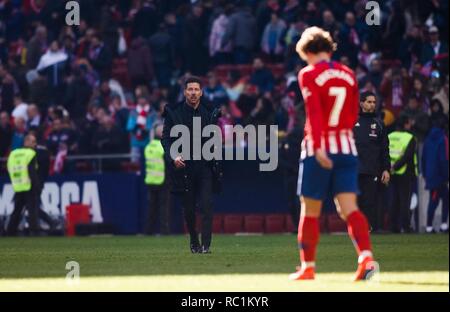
(315, 40)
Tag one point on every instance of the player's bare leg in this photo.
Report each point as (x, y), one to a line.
(358, 229)
(308, 238)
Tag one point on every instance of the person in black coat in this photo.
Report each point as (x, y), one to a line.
(193, 180)
(6, 133)
(374, 161)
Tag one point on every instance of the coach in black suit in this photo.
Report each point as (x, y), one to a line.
(194, 181)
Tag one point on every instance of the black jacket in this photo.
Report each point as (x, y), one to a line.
(373, 145)
(43, 162)
(182, 113)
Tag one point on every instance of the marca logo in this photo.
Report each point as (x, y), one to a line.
(55, 198)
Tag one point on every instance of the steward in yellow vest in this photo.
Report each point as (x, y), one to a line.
(22, 169)
(402, 150)
(157, 184)
(154, 163)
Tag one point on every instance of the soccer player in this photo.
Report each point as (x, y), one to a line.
(329, 155)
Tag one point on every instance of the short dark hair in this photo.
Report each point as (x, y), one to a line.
(403, 120)
(363, 96)
(193, 79)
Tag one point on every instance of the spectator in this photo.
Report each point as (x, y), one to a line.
(52, 65)
(36, 47)
(20, 128)
(442, 96)
(108, 138)
(195, 50)
(119, 112)
(220, 55)
(329, 22)
(433, 47)
(162, 48)
(214, 92)
(437, 114)
(7, 89)
(33, 116)
(78, 93)
(100, 57)
(311, 15)
(394, 30)
(435, 171)
(61, 138)
(262, 113)
(241, 33)
(394, 89)
(6, 133)
(420, 120)
(139, 125)
(146, 20)
(246, 103)
(234, 85)
(140, 63)
(291, 10)
(262, 77)
(350, 39)
(20, 109)
(271, 40)
(420, 93)
(411, 47)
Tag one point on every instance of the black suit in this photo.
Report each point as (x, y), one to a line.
(373, 151)
(196, 183)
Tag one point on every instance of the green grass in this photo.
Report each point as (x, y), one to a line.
(238, 263)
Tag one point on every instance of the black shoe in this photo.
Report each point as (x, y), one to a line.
(195, 248)
(205, 250)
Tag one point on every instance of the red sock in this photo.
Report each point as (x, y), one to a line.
(308, 237)
(358, 229)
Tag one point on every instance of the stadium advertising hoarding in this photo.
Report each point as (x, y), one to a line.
(120, 199)
(114, 198)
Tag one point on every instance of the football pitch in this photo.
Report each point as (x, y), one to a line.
(238, 263)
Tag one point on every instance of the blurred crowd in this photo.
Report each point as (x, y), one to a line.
(101, 87)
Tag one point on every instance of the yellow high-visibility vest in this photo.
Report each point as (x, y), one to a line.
(154, 163)
(398, 143)
(18, 162)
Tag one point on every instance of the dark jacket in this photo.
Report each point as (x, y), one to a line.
(161, 45)
(241, 30)
(428, 52)
(5, 140)
(178, 114)
(43, 162)
(140, 63)
(373, 145)
(435, 159)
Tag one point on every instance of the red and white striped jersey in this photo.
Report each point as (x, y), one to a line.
(330, 92)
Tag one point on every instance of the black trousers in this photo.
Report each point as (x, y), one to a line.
(293, 200)
(401, 203)
(24, 200)
(42, 214)
(159, 205)
(200, 195)
(368, 199)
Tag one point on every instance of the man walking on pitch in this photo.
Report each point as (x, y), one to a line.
(194, 180)
(330, 163)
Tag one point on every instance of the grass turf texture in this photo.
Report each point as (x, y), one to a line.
(238, 263)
